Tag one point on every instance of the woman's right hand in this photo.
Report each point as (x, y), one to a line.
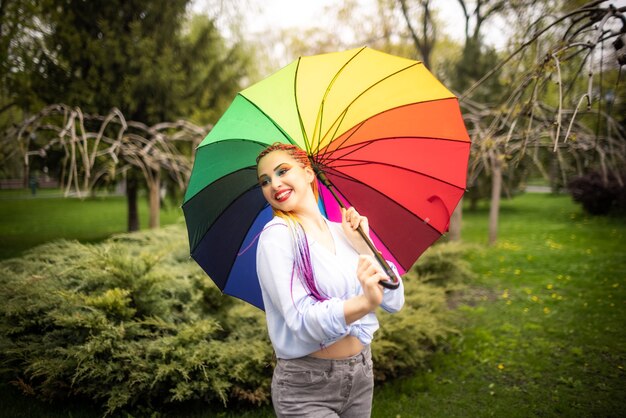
(370, 273)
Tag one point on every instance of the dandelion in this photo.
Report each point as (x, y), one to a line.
(525, 310)
(528, 291)
(501, 366)
(505, 294)
(546, 310)
(534, 298)
(549, 287)
(517, 272)
(554, 296)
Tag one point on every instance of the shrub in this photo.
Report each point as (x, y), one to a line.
(134, 324)
(597, 196)
(129, 323)
(443, 265)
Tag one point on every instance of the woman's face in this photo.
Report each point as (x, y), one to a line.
(285, 183)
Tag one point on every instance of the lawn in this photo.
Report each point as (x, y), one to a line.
(27, 221)
(541, 328)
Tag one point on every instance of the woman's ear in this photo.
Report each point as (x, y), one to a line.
(310, 174)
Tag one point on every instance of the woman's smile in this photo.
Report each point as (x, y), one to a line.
(282, 195)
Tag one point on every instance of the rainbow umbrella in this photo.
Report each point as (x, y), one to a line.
(388, 137)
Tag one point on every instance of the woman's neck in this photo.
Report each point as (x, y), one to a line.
(312, 220)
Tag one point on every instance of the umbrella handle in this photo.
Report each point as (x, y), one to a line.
(394, 281)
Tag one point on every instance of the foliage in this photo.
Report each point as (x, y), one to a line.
(134, 324)
(407, 339)
(131, 323)
(541, 326)
(599, 195)
(444, 266)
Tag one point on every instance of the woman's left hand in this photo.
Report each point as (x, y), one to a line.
(350, 221)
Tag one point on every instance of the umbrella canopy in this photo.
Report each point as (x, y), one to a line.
(389, 137)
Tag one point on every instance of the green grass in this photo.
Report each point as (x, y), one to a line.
(27, 221)
(541, 329)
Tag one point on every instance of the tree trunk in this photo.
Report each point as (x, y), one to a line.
(454, 233)
(155, 199)
(131, 197)
(496, 190)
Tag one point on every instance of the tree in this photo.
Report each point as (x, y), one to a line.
(143, 57)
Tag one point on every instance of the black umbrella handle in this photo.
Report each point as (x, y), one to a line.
(393, 282)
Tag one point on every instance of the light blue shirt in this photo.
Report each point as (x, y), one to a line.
(297, 323)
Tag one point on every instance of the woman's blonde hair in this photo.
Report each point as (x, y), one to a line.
(302, 265)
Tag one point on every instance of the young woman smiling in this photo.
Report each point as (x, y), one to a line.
(320, 286)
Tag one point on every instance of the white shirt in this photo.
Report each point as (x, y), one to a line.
(297, 323)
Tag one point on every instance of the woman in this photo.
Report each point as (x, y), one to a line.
(320, 286)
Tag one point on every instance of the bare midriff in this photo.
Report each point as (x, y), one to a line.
(346, 347)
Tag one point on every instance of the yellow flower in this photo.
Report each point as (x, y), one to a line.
(505, 294)
(518, 272)
(546, 310)
(534, 298)
(549, 287)
(501, 366)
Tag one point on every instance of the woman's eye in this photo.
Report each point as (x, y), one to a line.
(282, 171)
(264, 182)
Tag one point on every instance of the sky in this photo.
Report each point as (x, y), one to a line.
(262, 16)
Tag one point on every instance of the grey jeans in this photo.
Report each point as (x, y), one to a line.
(313, 387)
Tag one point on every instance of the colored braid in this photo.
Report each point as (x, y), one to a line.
(302, 266)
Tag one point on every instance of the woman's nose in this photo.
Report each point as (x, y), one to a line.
(276, 183)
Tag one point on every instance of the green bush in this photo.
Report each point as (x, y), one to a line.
(134, 324)
(443, 265)
(129, 323)
(406, 339)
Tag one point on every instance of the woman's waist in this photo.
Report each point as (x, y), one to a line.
(344, 348)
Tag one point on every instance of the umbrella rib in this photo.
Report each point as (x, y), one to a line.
(329, 155)
(350, 178)
(357, 163)
(360, 124)
(320, 113)
(271, 120)
(345, 111)
(223, 212)
(307, 145)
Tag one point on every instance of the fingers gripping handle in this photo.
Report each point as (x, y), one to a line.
(393, 282)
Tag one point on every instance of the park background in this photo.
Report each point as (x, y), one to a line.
(519, 310)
